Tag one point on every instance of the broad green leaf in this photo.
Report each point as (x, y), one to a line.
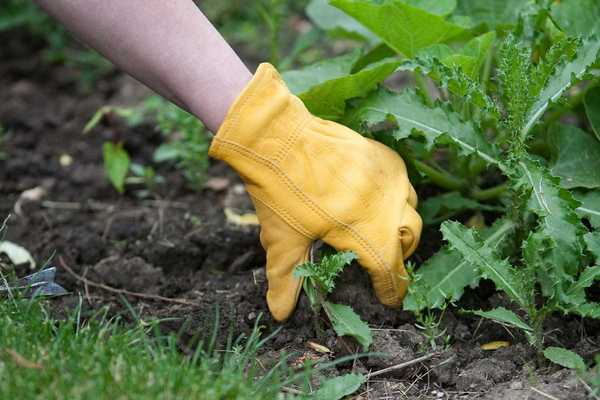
(564, 76)
(339, 387)
(565, 358)
(504, 317)
(576, 157)
(590, 206)
(592, 242)
(493, 13)
(437, 7)
(116, 164)
(338, 23)
(347, 323)
(324, 87)
(446, 274)
(592, 109)
(404, 28)
(468, 243)
(555, 208)
(300, 81)
(440, 208)
(411, 115)
(577, 17)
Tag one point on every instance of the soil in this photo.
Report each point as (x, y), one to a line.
(178, 244)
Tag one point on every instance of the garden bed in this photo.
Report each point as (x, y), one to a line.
(179, 245)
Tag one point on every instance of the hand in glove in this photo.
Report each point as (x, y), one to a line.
(314, 179)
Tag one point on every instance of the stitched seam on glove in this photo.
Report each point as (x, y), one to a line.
(309, 202)
(291, 139)
(284, 215)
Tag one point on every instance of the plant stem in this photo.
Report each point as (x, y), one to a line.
(490, 193)
(440, 177)
(422, 84)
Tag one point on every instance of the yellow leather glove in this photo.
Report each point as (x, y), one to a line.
(314, 179)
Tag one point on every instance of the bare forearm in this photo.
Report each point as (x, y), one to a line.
(167, 44)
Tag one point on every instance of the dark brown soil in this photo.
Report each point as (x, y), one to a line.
(178, 244)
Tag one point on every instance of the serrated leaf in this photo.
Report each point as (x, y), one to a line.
(324, 87)
(577, 17)
(403, 27)
(492, 13)
(504, 317)
(411, 115)
(339, 387)
(338, 23)
(576, 158)
(347, 323)
(457, 82)
(592, 109)
(576, 293)
(555, 208)
(565, 358)
(445, 275)
(470, 58)
(323, 274)
(116, 164)
(436, 209)
(476, 252)
(590, 206)
(565, 75)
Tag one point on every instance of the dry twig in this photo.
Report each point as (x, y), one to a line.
(403, 365)
(111, 289)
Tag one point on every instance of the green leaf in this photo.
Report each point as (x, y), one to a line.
(116, 164)
(300, 81)
(445, 275)
(592, 242)
(576, 292)
(577, 17)
(555, 208)
(576, 157)
(324, 273)
(565, 358)
(338, 23)
(504, 317)
(411, 115)
(565, 75)
(482, 256)
(472, 56)
(590, 206)
(493, 13)
(347, 323)
(404, 28)
(439, 208)
(339, 387)
(324, 87)
(437, 7)
(592, 109)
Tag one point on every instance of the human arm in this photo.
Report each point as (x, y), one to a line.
(168, 45)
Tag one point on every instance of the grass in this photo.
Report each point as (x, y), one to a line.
(101, 358)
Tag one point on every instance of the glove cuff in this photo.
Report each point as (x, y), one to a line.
(262, 121)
